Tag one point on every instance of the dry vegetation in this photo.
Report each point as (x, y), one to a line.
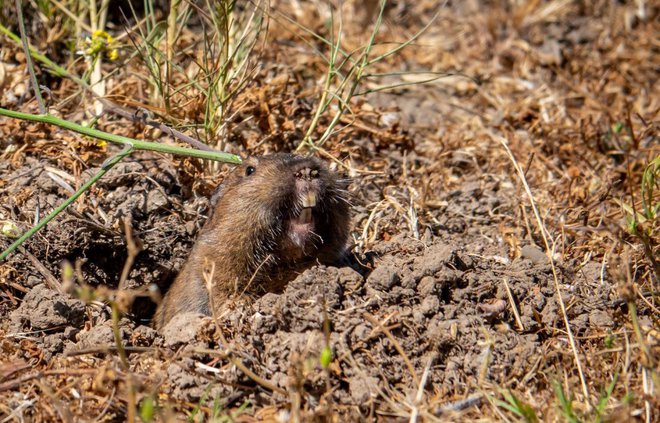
(557, 101)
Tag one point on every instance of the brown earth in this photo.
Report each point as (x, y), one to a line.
(451, 308)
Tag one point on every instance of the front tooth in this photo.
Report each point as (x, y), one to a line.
(309, 199)
(306, 215)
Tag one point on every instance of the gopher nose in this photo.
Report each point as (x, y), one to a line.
(307, 173)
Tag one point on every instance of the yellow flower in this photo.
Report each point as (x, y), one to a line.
(99, 33)
(101, 42)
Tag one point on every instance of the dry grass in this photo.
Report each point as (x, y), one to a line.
(560, 98)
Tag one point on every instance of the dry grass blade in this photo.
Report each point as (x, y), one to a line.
(226, 354)
(514, 308)
(26, 50)
(550, 253)
(377, 325)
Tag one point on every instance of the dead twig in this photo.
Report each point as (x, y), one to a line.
(134, 246)
(514, 309)
(227, 355)
(49, 278)
(16, 383)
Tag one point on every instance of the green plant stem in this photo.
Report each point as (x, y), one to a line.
(354, 78)
(307, 139)
(632, 311)
(407, 43)
(104, 169)
(130, 144)
(135, 144)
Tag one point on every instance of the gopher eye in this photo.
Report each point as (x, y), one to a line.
(249, 170)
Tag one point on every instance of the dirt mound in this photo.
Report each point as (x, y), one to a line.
(436, 315)
(439, 313)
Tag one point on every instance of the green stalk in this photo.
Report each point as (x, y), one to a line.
(104, 169)
(136, 144)
(307, 139)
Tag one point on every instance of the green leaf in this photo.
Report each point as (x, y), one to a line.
(147, 409)
(565, 403)
(326, 357)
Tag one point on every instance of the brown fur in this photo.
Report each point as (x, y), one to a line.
(251, 236)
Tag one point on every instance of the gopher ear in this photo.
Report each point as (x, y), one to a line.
(217, 194)
(220, 190)
(215, 199)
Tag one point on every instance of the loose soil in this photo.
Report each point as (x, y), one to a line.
(450, 303)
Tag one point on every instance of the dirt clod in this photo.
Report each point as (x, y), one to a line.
(383, 278)
(43, 309)
(182, 329)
